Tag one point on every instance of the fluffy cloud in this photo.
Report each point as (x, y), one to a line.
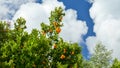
(9, 7)
(73, 29)
(35, 13)
(106, 16)
(91, 42)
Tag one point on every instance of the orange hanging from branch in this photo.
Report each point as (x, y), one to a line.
(60, 18)
(55, 24)
(58, 30)
(65, 51)
(62, 56)
(54, 46)
(43, 32)
(50, 30)
(72, 53)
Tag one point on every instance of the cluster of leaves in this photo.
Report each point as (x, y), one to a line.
(4, 28)
(116, 64)
(39, 49)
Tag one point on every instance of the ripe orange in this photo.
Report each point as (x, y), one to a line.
(43, 33)
(50, 30)
(58, 30)
(62, 56)
(34, 66)
(55, 24)
(55, 46)
(22, 46)
(60, 18)
(72, 53)
(43, 62)
(64, 50)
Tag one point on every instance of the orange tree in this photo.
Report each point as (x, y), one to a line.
(39, 49)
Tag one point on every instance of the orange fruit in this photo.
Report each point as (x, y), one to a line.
(62, 56)
(58, 30)
(60, 18)
(55, 24)
(50, 30)
(55, 46)
(64, 50)
(43, 62)
(43, 33)
(34, 65)
(72, 53)
(22, 46)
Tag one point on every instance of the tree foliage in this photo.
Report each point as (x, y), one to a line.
(39, 49)
(116, 64)
(101, 57)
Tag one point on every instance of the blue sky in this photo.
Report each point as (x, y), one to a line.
(82, 7)
(88, 23)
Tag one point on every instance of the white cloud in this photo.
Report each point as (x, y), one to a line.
(9, 7)
(106, 16)
(73, 29)
(35, 13)
(91, 42)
